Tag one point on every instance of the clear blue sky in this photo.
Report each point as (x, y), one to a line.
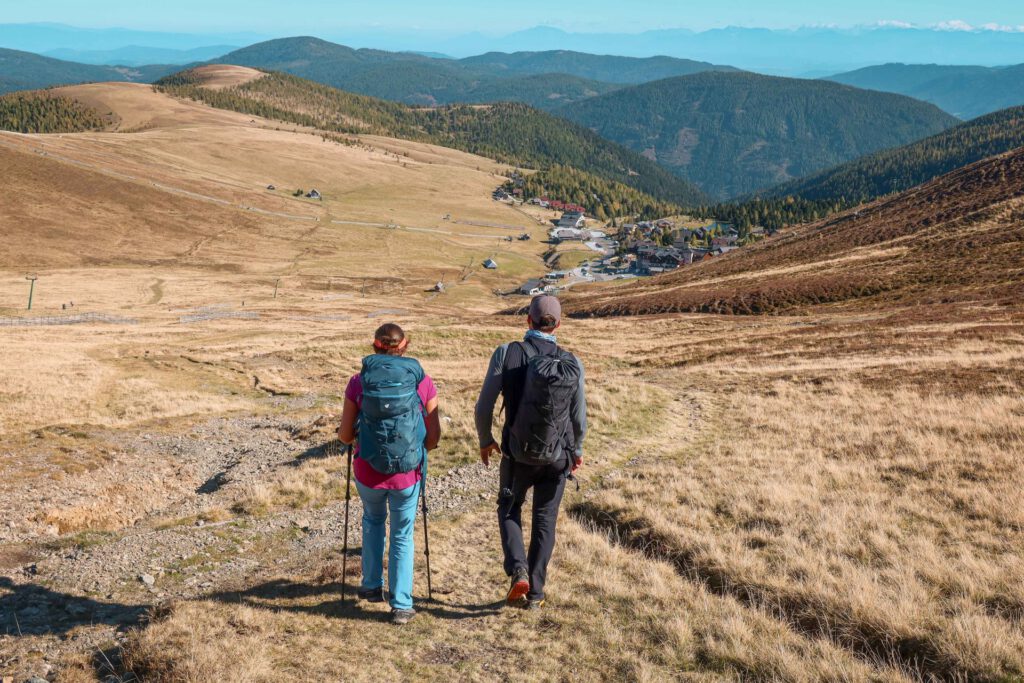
(462, 16)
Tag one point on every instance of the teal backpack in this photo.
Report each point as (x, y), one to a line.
(391, 428)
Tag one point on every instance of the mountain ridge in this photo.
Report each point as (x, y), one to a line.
(417, 79)
(29, 71)
(900, 168)
(734, 133)
(964, 91)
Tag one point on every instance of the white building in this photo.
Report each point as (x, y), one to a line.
(572, 219)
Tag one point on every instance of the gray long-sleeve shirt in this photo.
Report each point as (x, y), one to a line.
(492, 388)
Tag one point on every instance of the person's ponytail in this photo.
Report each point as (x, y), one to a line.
(390, 339)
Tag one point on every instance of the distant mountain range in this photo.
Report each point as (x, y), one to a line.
(732, 133)
(134, 55)
(810, 52)
(607, 68)
(899, 169)
(736, 133)
(964, 91)
(26, 71)
(45, 37)
(545, 80)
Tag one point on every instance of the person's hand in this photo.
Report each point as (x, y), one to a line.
(576, 462)
(487, 451)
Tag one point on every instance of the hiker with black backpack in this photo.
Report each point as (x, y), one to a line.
(391, 414)
(545, 409)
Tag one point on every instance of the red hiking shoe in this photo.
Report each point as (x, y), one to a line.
(519, 588)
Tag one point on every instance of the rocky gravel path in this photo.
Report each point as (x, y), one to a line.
(78, 593)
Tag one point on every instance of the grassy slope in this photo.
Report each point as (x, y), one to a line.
(512, 133)
(894, 252)
(734, 133)
(814, 547)
(817, 497)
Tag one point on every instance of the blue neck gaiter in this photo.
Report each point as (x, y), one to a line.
(537, 334)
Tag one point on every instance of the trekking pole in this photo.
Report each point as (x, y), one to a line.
(348, 497)
(426, 535)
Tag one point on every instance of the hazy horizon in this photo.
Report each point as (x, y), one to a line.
(809, 51)
(454, 17)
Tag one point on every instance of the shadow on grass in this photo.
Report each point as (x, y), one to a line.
(33, 610)
(323, 451)
(283, 594)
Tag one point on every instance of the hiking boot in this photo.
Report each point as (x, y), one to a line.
(519, 587)
(401, 617)
(534, 604)
(371, 594)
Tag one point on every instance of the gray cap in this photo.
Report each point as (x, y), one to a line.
(543, 305)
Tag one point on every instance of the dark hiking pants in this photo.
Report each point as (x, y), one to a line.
(548, 483)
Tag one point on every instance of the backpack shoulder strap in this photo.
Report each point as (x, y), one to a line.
(417, 370)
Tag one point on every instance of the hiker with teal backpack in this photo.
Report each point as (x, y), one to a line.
(391, 414)
(541, 447)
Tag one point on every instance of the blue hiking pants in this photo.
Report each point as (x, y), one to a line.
(402, 504)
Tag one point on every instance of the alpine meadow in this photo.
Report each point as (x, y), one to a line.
(426, 343)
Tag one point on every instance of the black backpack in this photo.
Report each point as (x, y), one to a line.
(543, 418)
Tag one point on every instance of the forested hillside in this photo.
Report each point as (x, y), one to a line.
(513, 133)
(411, 78)
(964, 91)
(41, 112)
(28, 71)
(735, 133)
(543, 91)
(895, 170)
(604, 199)
(608, 68)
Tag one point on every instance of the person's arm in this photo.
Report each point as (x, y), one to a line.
(433, 421)
(484, 413)
(579, 418)
(347, 430)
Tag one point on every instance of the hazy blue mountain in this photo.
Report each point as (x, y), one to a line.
(964, 91)
(814, 51)
(43, 37)
(28, 71)
(790, 52)
(607, 68)
(736, 133)
(140, 55)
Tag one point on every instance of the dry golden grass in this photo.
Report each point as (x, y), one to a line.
(744, 518)
(804, 498)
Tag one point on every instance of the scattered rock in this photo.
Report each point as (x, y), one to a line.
(147, 579)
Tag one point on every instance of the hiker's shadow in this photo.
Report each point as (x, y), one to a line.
(282, 594)
(32, 610)
(328, 449)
